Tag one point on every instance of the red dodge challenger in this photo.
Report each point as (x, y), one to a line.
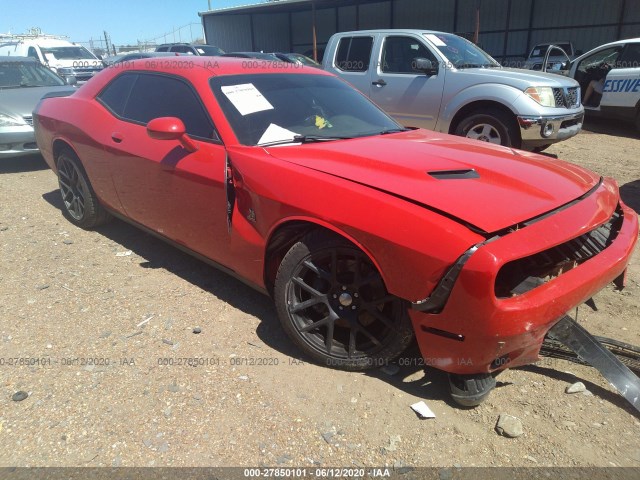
(365, 233)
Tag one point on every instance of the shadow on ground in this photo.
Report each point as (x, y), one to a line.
(610, 127)
(570, 378)
(630, 194)
(431, 385)
(28, 163)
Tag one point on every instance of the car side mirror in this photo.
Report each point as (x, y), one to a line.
(425, 65)
(170, 128)
(70, 80)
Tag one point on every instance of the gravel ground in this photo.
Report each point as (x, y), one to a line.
(111, 314)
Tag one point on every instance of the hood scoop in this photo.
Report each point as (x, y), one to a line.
(464, 174)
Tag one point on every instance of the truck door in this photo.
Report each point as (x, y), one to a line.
(412, 97)
(622, 86)
(352, 61)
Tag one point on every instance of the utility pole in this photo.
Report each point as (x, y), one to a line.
(209, 4)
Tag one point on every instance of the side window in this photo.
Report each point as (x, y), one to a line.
(156, 96)
(116, 94)
(399, 54)
(33, 54)
(354, 54)
(162, 49)
(630, 57)
(597, 60)
(180, 49)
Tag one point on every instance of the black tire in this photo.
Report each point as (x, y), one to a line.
(491, 126)
(471, 390)
(334, 306)
(81, 205)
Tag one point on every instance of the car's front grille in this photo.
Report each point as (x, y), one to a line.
(522, 275)
(28, 119)
(573, 99)
(567, 97)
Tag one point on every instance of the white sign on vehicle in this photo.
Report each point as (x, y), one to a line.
(276, 133)
(246, 98)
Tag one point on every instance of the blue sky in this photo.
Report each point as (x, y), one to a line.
(126, 21)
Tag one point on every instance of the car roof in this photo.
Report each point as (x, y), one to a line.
(17, 59)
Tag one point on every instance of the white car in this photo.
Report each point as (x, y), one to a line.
(63, 57)
(610, 79)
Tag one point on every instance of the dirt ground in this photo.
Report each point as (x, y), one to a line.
(69, 296)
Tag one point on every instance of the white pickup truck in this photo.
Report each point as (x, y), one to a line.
(443, 82)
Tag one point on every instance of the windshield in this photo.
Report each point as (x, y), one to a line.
(461, 53)
(272, 108)
(209, 50)
(540, 51)
(68, 53)
(32, 74)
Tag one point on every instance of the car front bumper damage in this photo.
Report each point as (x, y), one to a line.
(474, 329)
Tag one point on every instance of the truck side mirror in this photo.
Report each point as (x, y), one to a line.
(70, 80)
(425, 65)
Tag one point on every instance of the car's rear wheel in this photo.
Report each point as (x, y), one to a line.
(333, 304)
(489, 126)
(81, 206)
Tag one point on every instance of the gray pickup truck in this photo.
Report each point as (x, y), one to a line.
(445, 83)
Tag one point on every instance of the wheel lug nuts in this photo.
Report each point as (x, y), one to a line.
(335, 296)
(356, 295)
(353, 308)
(340, 308)
(344, 288)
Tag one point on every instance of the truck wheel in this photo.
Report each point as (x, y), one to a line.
(334, 306)
(489, 126)
(81, 205)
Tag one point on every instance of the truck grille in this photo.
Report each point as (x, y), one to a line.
(28, 119)
(520, 276)
(567, 97)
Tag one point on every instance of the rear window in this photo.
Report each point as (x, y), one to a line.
(354, 54)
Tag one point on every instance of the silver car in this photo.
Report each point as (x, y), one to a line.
(23, 82)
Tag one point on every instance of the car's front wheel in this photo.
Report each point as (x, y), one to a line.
(489, 126)
(81, 206)
(333, 304)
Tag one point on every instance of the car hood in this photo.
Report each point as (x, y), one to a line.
(510, 186)
(517, 77)
(20, 102)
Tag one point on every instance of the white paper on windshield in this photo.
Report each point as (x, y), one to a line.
(276, 134)
(435, 40)
(246, 98)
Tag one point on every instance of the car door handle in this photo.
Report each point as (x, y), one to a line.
(379, 83)
(117, 137)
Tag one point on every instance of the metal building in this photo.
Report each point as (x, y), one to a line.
(507, 28)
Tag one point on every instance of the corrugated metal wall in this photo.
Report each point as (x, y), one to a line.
(508, 28)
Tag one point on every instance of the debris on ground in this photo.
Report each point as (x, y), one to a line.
(19, 396)
(576, 388)
(509, 426)
(124, 254)
(423, 410)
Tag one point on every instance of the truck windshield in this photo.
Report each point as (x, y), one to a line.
(209, 50)
(69, 53)
(27, 74)
(461, 53)
(273, 108)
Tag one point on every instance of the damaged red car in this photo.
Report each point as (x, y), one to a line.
(366, 234)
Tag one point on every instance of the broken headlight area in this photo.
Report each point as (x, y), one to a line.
(525, 274)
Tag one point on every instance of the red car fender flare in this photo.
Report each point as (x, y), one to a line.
(320, 223)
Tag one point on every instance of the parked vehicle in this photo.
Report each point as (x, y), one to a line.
(257, 55)
(559, 54)
(68, 60)
(298, 59)
(365, 233)
(128, 57)
(610, 79)
(445, 83)
(191, 49)
(23, 82)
